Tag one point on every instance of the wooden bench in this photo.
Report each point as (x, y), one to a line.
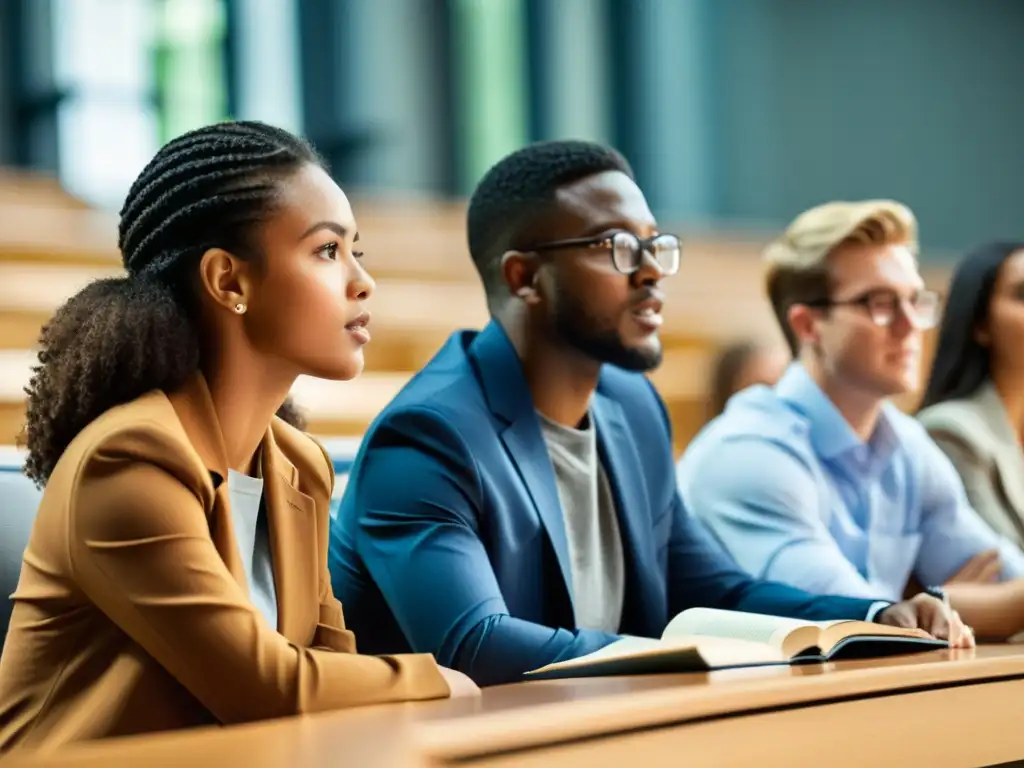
(412, 319)
(426, 288)
(346, 408)
(335, 409)
(36, 189)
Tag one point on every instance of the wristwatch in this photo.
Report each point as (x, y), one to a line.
(938, 593)
(941, 595)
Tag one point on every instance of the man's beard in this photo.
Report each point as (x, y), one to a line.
(585, 333)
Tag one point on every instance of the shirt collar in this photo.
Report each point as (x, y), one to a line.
(831, 435)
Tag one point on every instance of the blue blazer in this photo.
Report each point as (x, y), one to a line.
(450, 538)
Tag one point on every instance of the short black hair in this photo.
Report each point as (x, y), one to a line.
(518, 186)
(121, 337)
(961, 364)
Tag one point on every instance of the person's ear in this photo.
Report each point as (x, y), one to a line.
(225, 279)
(803, 321)
(520, 270)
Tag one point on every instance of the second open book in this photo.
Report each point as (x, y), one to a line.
(701, 639)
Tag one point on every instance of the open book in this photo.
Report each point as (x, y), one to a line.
(702, 639)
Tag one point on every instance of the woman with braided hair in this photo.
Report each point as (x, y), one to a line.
(176, 574)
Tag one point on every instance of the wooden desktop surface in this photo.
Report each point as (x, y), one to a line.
(937, 708)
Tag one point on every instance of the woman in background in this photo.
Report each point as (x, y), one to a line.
(176, 573)
(741, 365)
(973, 406)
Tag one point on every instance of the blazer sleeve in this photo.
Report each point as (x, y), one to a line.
(140, 549)
(417, 507)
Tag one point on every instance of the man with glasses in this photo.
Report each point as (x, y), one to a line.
(515, 505)
(820, 482)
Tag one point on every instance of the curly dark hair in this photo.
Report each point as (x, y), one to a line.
(122, 337)
(520, 187)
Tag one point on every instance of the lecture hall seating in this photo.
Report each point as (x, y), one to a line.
(51, 245)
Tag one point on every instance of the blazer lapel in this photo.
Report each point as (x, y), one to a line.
(193, 405)
(289, 513)
(292, 526)
(1010, 468)
(223, 534)
(508, 396)
(1007, 453)
(525, 444)
(621, 462)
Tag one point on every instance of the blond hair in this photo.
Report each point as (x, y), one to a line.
(798, 260)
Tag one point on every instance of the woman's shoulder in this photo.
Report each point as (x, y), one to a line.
(143, 431)
(131, 473)
(955, 415)
(964, 421)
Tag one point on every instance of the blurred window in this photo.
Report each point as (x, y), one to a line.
(191, 81)
(128, 76)
(106, 122)
(490, 83)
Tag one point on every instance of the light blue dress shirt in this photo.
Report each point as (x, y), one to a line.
(796, 496)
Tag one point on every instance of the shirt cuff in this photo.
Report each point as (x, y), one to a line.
(876, 608)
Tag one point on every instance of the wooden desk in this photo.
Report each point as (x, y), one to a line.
(935, 709)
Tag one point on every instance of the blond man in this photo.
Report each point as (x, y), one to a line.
(820, 482)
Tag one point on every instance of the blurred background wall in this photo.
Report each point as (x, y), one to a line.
(737, 111)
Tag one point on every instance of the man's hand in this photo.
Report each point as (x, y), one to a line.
(931, 616)
(983, 568)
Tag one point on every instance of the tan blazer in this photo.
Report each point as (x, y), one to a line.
(132, 614)
(976, 434)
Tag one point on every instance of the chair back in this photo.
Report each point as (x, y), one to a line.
(342, 451)
(19, 500)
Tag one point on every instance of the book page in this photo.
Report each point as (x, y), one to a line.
(755, 627)
(641, 655)
(627, 646)
(619, 655)
(837, 631)
(724, 652)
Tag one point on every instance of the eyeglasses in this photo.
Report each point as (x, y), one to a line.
(627, 250)
(921, 309)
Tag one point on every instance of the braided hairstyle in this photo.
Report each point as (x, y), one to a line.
(122, 337)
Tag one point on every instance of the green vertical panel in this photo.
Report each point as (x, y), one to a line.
(490, 79)
(189, 62)
(580, 103)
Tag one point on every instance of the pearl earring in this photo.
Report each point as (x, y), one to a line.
(240, 308)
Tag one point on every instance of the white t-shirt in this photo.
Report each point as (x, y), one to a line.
(252, 533)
